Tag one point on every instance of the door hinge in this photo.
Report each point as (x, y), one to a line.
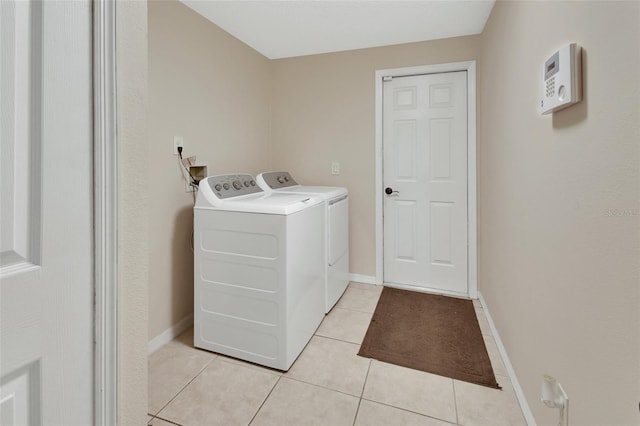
(387, 78)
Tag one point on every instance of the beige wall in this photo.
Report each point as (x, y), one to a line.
(324, 111)
(558, 266)
(212, 90)
(132, 212)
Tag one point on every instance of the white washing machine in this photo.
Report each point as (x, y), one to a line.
(258, 270)
(336, 223)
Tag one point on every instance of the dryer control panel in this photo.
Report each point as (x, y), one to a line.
(276, 180)
(227, 186)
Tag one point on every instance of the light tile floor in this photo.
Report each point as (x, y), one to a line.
(328, 385)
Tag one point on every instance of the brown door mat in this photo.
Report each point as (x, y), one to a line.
(432, 333)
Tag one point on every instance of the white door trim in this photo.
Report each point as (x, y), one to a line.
(105, 189)
(470, 67)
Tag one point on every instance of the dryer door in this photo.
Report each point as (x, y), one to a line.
(338, 229)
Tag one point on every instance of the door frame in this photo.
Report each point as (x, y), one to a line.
(105, 212)
(472, 228)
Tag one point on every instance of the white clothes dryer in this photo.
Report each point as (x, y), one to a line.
(336, 224)
(258, 270)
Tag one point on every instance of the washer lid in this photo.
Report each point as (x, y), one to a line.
(284, 182)
(326, 192)
(274, 203)
(252, 202)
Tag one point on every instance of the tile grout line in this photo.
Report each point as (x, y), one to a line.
(320, 386)
(357, 411)
(184, 387)
(365, 289)
(455, 401)
(337, 340)
(265, 400)
(348, 309)
(366, 377)
(248, 364)
(409, 411)
(166, 420)
(364, 385)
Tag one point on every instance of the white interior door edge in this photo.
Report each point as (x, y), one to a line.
(105, 212)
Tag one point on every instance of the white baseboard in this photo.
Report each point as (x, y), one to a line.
(170, 333)
(524, 405)
(365, 279)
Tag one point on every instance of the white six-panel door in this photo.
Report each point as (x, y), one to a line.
(425, 171)
(46, 280)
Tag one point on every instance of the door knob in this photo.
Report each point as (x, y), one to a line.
(390, 191)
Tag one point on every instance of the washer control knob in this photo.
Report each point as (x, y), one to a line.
(280, 179)
(253, 182)
(226, 186)
(218, 187)
(237, 184)
(286, 178)
(246, 183)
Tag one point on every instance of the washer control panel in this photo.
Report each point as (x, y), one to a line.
(277, 180)
(227, 186)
